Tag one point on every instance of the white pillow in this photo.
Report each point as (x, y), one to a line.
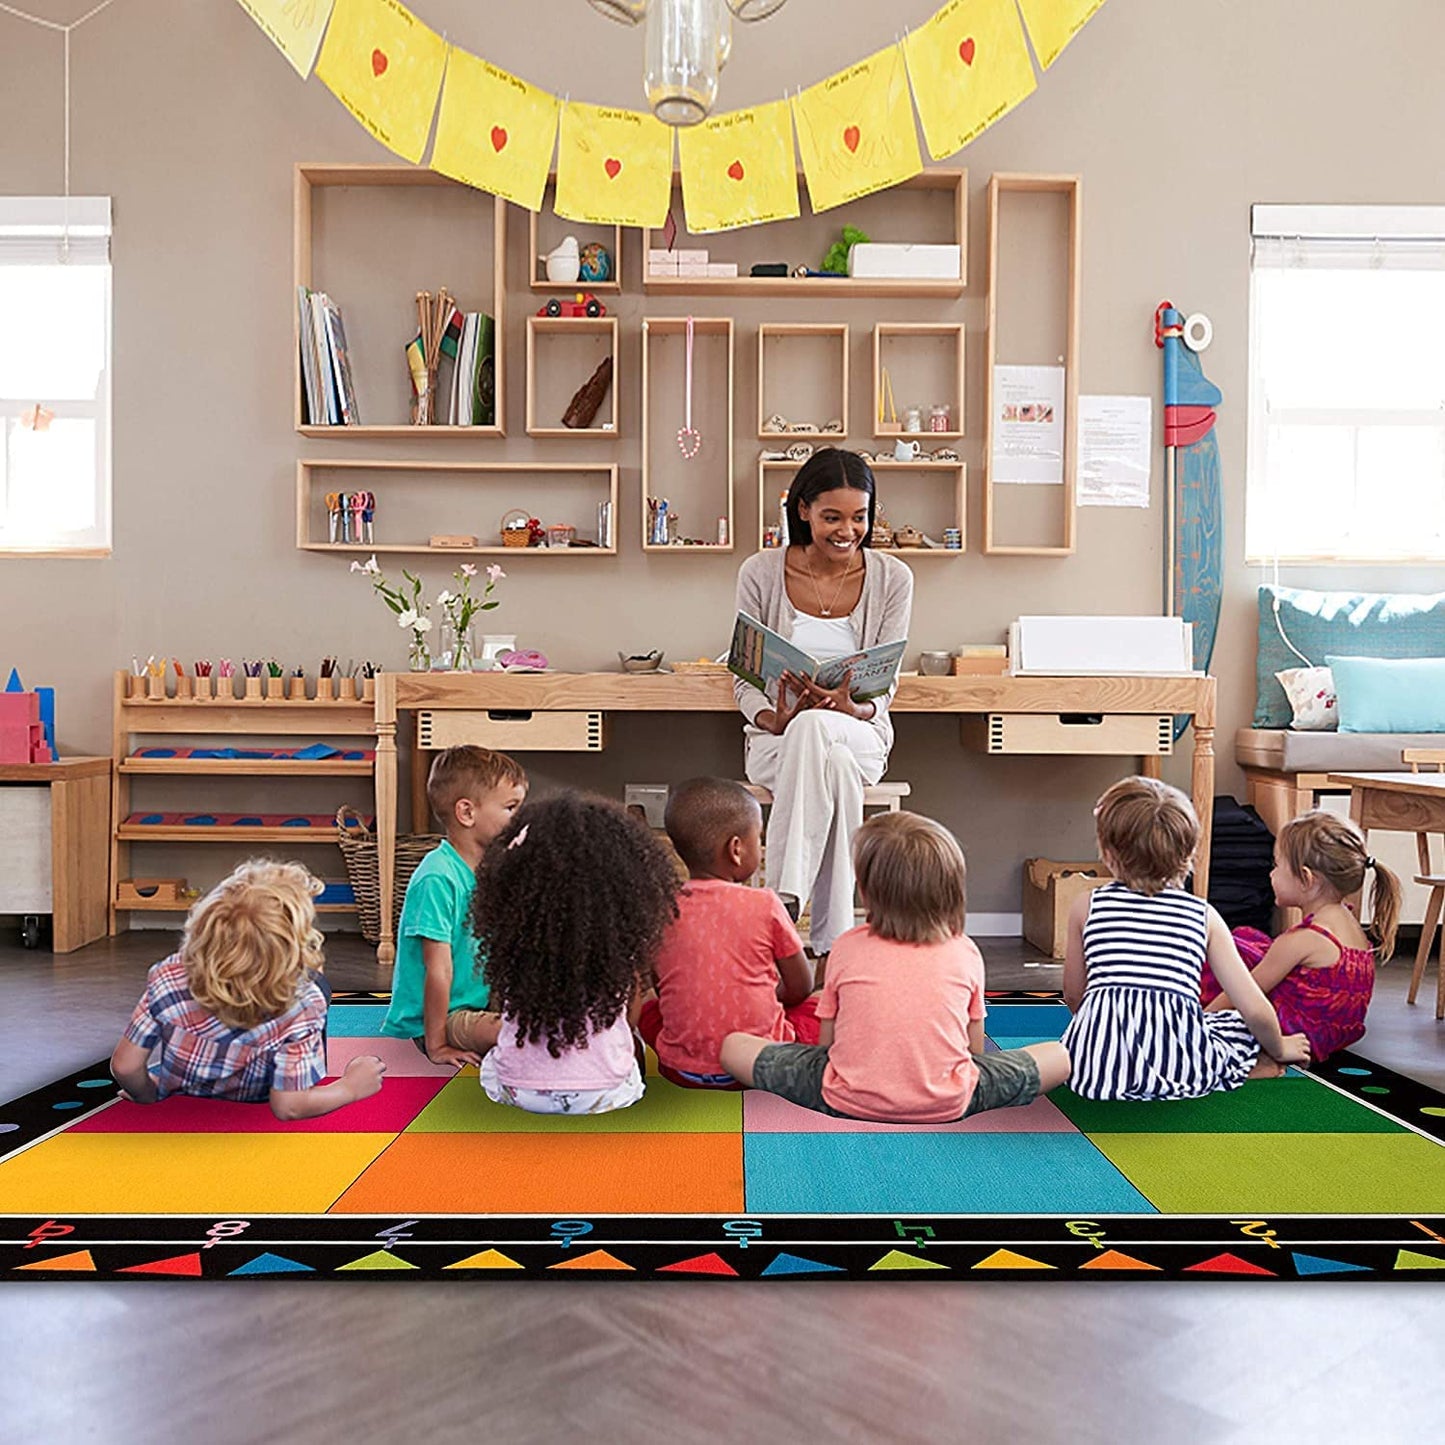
(1311, 694)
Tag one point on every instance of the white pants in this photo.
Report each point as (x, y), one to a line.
(561, 1101)
(816, 772)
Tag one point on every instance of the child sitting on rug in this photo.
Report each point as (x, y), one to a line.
(570, 907)
(1135, 953)
(1319, 975)
(439, 992)
(901, 1035)
(240, 1011)
(732, 961)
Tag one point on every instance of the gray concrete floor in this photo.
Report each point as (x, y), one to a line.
(322, 1361)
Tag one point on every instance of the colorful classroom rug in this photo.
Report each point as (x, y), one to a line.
(1337, 1174)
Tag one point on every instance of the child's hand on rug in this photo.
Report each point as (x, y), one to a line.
(1296, 1050)
(446, 1054)
(363, 1075)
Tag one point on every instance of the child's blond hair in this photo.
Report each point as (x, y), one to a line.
(913, 878)
(1334, 849)
(467, 772)
(1149, 833)
(249, 943)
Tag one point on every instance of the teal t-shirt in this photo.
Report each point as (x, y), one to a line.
(438, 902)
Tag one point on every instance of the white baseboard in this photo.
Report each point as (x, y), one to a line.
(995, 925)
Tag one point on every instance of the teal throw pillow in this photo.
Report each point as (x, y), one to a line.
(1390, 694)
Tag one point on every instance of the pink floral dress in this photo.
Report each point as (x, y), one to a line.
(1327, 1005)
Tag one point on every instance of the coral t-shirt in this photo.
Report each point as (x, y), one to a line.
(717, 972)
(900, 1037)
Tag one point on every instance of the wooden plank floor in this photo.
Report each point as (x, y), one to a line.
(321, 1361)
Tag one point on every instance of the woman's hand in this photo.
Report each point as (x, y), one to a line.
(839, 699)
(775, 720)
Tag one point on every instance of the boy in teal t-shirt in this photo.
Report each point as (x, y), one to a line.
(438, 992)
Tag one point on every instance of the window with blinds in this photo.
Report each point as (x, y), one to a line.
(55, 349)
(1346, 384)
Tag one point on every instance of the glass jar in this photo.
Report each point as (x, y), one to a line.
(938, 419)
(913, 418)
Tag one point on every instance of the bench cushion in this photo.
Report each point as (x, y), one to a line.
(1284, 751)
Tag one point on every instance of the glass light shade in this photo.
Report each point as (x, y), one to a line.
(751, 9)
(724, 37)
(627, 12)
(681, 59)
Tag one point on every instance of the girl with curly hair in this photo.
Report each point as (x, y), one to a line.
(571, 903)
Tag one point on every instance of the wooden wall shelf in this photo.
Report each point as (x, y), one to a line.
(924, 362)
(803, 376)
(578, 343)
(546, 229)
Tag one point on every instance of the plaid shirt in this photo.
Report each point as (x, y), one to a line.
(201, 1055)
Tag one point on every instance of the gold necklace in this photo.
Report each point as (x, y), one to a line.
(847, 573)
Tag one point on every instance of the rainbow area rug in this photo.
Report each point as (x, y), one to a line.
(1334, 1174)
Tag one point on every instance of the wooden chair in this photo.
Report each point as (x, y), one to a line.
(1431, 760)
(881, 795)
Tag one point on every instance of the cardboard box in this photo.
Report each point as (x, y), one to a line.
(980, 667)
(692, 268)
(686, 257)
(722, 268)
(882, 259)
(1050, 889)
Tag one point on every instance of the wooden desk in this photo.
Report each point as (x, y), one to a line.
(74, 874)
(1396, 802)
(398, 692)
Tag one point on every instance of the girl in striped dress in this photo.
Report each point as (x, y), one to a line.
(1136, 951)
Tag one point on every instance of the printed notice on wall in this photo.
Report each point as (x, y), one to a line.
(1115, 451)
(1028, 425)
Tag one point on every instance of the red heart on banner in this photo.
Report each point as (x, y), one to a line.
(850, 137)
(612, 167)
(965, 51)
(736, 170)
(499, 137)
(378, 62)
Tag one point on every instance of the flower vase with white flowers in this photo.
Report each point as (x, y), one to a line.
(461, 606)
(410, 610)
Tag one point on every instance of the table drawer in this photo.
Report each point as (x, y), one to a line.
(1112, 734)
(510, 731)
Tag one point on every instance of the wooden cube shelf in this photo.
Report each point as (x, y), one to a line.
(371, 237)
(562, 353)
(803, 376)
(703, 484)
(445, 497)
(545, 229)
(923, 361)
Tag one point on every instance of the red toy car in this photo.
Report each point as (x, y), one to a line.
(586, 304)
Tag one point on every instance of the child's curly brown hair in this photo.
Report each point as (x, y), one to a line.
(571, 903)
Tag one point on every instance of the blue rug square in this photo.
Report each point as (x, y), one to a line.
(355, 1021)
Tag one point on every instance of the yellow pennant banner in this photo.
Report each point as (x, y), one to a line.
(969, 66)
(386, 68)
(1053, 23)
(738, 169)
(855, 131)
(614, 167)
(294, 27)
(495, 131)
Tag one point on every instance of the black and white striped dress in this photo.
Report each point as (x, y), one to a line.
(1141, 1032)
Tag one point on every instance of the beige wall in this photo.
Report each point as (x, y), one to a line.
(1178, 115)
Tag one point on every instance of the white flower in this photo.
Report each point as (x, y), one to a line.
(370, 566)
(443, 597)
(422, 624)
(408, 618)
(495, 573)
(469, 571)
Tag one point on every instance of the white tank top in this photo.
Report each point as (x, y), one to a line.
(824, 638)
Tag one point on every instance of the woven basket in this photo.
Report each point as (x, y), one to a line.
(363, 869)
(513, 535)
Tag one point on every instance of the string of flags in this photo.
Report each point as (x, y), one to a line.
(963, 69)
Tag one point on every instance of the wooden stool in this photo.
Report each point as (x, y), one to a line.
(880, 795)
(1431, 759)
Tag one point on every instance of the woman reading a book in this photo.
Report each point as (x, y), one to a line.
(816, 748)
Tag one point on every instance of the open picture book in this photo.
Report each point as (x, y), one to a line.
(761, 656)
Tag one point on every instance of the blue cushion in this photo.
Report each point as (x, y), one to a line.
(1390, 695)
(1345, 624)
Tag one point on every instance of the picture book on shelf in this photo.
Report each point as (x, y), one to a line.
(760, 656)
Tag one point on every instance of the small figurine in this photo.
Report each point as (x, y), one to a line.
(562, 261)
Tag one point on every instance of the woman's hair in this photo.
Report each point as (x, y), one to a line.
(249, 942)
(828, 470)
(912, 877)
(571, 903)
(1333, 849)
(1149, 832)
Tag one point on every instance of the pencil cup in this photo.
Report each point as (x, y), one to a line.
(203, 689)
(253, 689)
(135, 685)
(296, 689)
(324, 690)
(368, 689)
(347, 689)
(156, 686)
(183, 687)
(275, 689)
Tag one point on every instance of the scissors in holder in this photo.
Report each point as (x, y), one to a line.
(333, 516)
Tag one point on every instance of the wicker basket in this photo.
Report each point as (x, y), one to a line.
(363, 870)
(513, 535)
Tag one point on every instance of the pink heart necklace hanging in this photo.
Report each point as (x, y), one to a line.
(689, 439)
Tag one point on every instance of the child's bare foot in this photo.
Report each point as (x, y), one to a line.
(1266, 1068)
(820, 971)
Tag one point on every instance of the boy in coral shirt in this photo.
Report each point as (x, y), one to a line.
(732, 959)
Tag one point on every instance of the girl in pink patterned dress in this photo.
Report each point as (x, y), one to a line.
(1319, 975)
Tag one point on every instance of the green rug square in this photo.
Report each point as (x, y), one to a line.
(1253, 1175)
(1292, 1105)
(460, 1107)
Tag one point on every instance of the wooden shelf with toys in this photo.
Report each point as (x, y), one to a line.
(931, 208)
(415, 230)
(578, 378)
(594, 265)
(573, 505)
(149, 729)
(803, 380)
(942, 511)
(918, 380)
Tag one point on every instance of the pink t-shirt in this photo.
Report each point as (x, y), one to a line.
(717, 972)
(900, 1041)
(605, 1061)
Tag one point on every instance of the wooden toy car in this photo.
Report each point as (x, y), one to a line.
(586, 304)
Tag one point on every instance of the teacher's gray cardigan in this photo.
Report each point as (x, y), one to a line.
(882, 615)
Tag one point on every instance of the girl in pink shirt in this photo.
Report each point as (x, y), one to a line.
(571, 902)
(901, 1017)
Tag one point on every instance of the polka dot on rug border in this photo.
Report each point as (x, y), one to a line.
(69, 1104)
(8, 1128)
(1373, 1089)
(95, 1083)
(1362, 1073)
